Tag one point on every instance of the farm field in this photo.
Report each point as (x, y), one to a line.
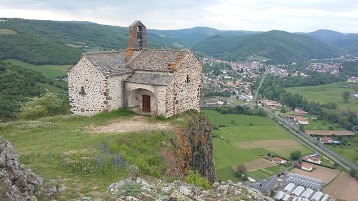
(258, 164)
(264, 173)
(245, 138)
(350, 152)
(344, 187)
(322, 173)
(50, 71)
(328, 93)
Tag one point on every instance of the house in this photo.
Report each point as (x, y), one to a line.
(300, 111)
(306, 166)
(265, 186)
(299, 119)
(326, 140)
(312, 159)
(148, 81)
(279, 160)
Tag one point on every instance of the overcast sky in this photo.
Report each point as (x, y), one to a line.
(254, 15)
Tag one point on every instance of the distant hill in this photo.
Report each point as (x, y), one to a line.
(193, 36)
(54, 42)
(347, 42)
(277, 46)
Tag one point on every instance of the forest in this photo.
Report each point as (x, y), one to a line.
(17, 84)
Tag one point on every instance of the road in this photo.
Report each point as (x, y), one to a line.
(314, 144)
(258, 88)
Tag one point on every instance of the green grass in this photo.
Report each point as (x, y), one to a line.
(266, 172)
(7, 32)
(350, 152)
(241, 128)
(50, 71)
(61, 147)
(328, 93)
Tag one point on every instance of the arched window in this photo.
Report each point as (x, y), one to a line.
(139, 37)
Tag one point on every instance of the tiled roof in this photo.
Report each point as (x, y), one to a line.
(150, 78)
(157, 60)
(109, 63)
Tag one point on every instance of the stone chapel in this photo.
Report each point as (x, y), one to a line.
(151, 81)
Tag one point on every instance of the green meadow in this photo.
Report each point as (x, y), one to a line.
(328, 93)
(50, 71)
(236, 129)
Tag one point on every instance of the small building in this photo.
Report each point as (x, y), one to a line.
(279, 195)
(289, 188)
(149, 81)
(317, 196)
(308, 193)
(299, 111)
(326, 198)
(312, 159)
(211, 102)
(298, 191)
(326, 140)
(306, 166)
(265, 186)
(279, 160)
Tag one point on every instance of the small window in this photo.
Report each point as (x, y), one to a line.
(187, 80)
(82, 92)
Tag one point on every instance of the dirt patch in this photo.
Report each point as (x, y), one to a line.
(137, 123)
(343, 187)
(7, 32)
(266, 144)
(322, 173)
(258, 164)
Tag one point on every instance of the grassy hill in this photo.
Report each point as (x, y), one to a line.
(279, 46)
(193, 36)
(347, 42)
(55, 42)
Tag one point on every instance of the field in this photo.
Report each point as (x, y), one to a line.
(328, 93)
(322, 173)
(258, 164)
(51, 71)
(343, 187)
(264, 173)
(7, 32)
(61, 148)
(236, 141)
(349, 151)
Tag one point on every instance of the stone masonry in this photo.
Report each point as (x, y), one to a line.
(157, 82)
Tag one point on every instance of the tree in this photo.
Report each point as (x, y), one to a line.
(345, 96)
(296, 155)
(240, 169)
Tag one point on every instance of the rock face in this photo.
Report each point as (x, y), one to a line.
(140, 189)
(18, 182)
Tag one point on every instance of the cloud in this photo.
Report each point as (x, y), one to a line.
(262, 15)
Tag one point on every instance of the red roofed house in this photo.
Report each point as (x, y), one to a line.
(307, 167)
(300, 111)
(279, 160)
(326, 140)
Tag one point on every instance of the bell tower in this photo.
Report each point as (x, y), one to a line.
(137, 37)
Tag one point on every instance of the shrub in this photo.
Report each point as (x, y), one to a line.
(196, 179)
(47, 104)
(296, 155)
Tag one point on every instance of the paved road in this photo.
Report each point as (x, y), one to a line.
(314, 143)
(258, 88)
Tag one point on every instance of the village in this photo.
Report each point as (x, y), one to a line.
(232, 84)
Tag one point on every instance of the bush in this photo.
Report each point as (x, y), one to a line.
(196, 179)
(47, 104)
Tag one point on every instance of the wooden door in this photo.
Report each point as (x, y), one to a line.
(145, 103)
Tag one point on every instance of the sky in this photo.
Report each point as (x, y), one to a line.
(253, 15)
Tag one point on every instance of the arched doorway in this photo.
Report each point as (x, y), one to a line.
(143, 100)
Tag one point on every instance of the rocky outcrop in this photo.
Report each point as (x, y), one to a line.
(16, 181)
(140, 189)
